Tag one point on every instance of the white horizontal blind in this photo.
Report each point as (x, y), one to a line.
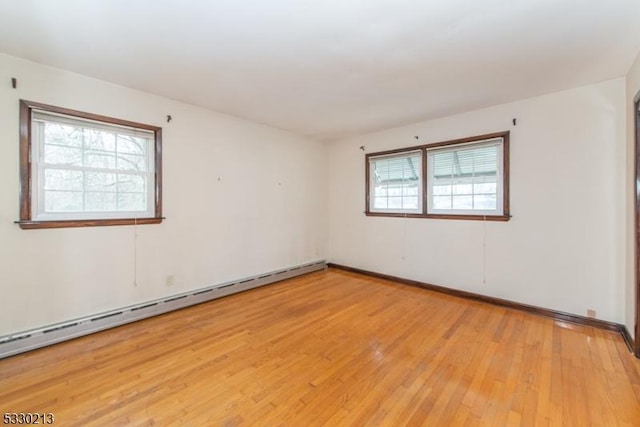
(91, 170)
(466, 178)
(395, 183)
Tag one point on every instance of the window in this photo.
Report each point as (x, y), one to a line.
(465, 178)
(460, 179)
(81, 169)
(395, 182)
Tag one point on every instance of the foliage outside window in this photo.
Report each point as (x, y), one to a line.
(81, 169)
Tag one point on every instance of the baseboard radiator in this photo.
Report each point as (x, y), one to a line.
(35, 338)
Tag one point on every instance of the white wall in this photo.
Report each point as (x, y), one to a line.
(633, 88)
(563, 247)
(240, 199)
(561, 250)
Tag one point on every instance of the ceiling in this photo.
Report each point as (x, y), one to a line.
(331, 68)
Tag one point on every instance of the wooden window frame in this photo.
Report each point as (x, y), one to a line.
(26, 180)
(506, 216)
(636, 185)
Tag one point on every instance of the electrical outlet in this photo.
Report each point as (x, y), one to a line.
(591, 313)
(170, 280)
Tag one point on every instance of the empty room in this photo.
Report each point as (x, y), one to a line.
(337, 213)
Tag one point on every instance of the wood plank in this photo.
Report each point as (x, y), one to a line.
(332, 348)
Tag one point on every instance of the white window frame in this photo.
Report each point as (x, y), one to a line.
(371, 197)
(497, 142)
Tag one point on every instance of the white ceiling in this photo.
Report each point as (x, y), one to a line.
(331, 68)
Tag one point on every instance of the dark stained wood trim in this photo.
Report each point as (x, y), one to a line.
(396, 151)
(26, 180)
(627, 339)
(89, 116)
(367, 177)
(439, 216)
(25, 161)
(554, 314)
(423, 148)
(158, 174)
(31, 225)
(506, 178)
(441, 144)
(636, 185)
(471, 217)
(467, 140)
(395, 214)
(425, 173)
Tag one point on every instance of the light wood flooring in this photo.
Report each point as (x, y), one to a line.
(332, 348)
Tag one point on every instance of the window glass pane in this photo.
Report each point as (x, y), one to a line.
(100, 181)
(442, 164)
(462, 202)
(380, 191)
(485, 202)
(380, 203)
(99, 160)
(132, 162)
(63, 201)
(65, 156)
(132, 202)
(61, 134)
(61, 179)
(132, 145)
(485, 188)
(395, 202)
(462, 188)
(410, 203)
(410, 190)
(442, 190)
(442, 202)
(131, 183)
(394, 191)
(99, 140)
(100, 202)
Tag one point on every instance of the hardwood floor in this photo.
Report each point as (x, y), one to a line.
(332, 348)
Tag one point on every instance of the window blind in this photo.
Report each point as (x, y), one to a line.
(465, 177)
(395, 182)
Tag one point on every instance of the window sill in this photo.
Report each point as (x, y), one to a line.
(31, 225)
(442, 216)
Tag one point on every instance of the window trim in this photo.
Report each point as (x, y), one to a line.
(27, 180)
(506, 216)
